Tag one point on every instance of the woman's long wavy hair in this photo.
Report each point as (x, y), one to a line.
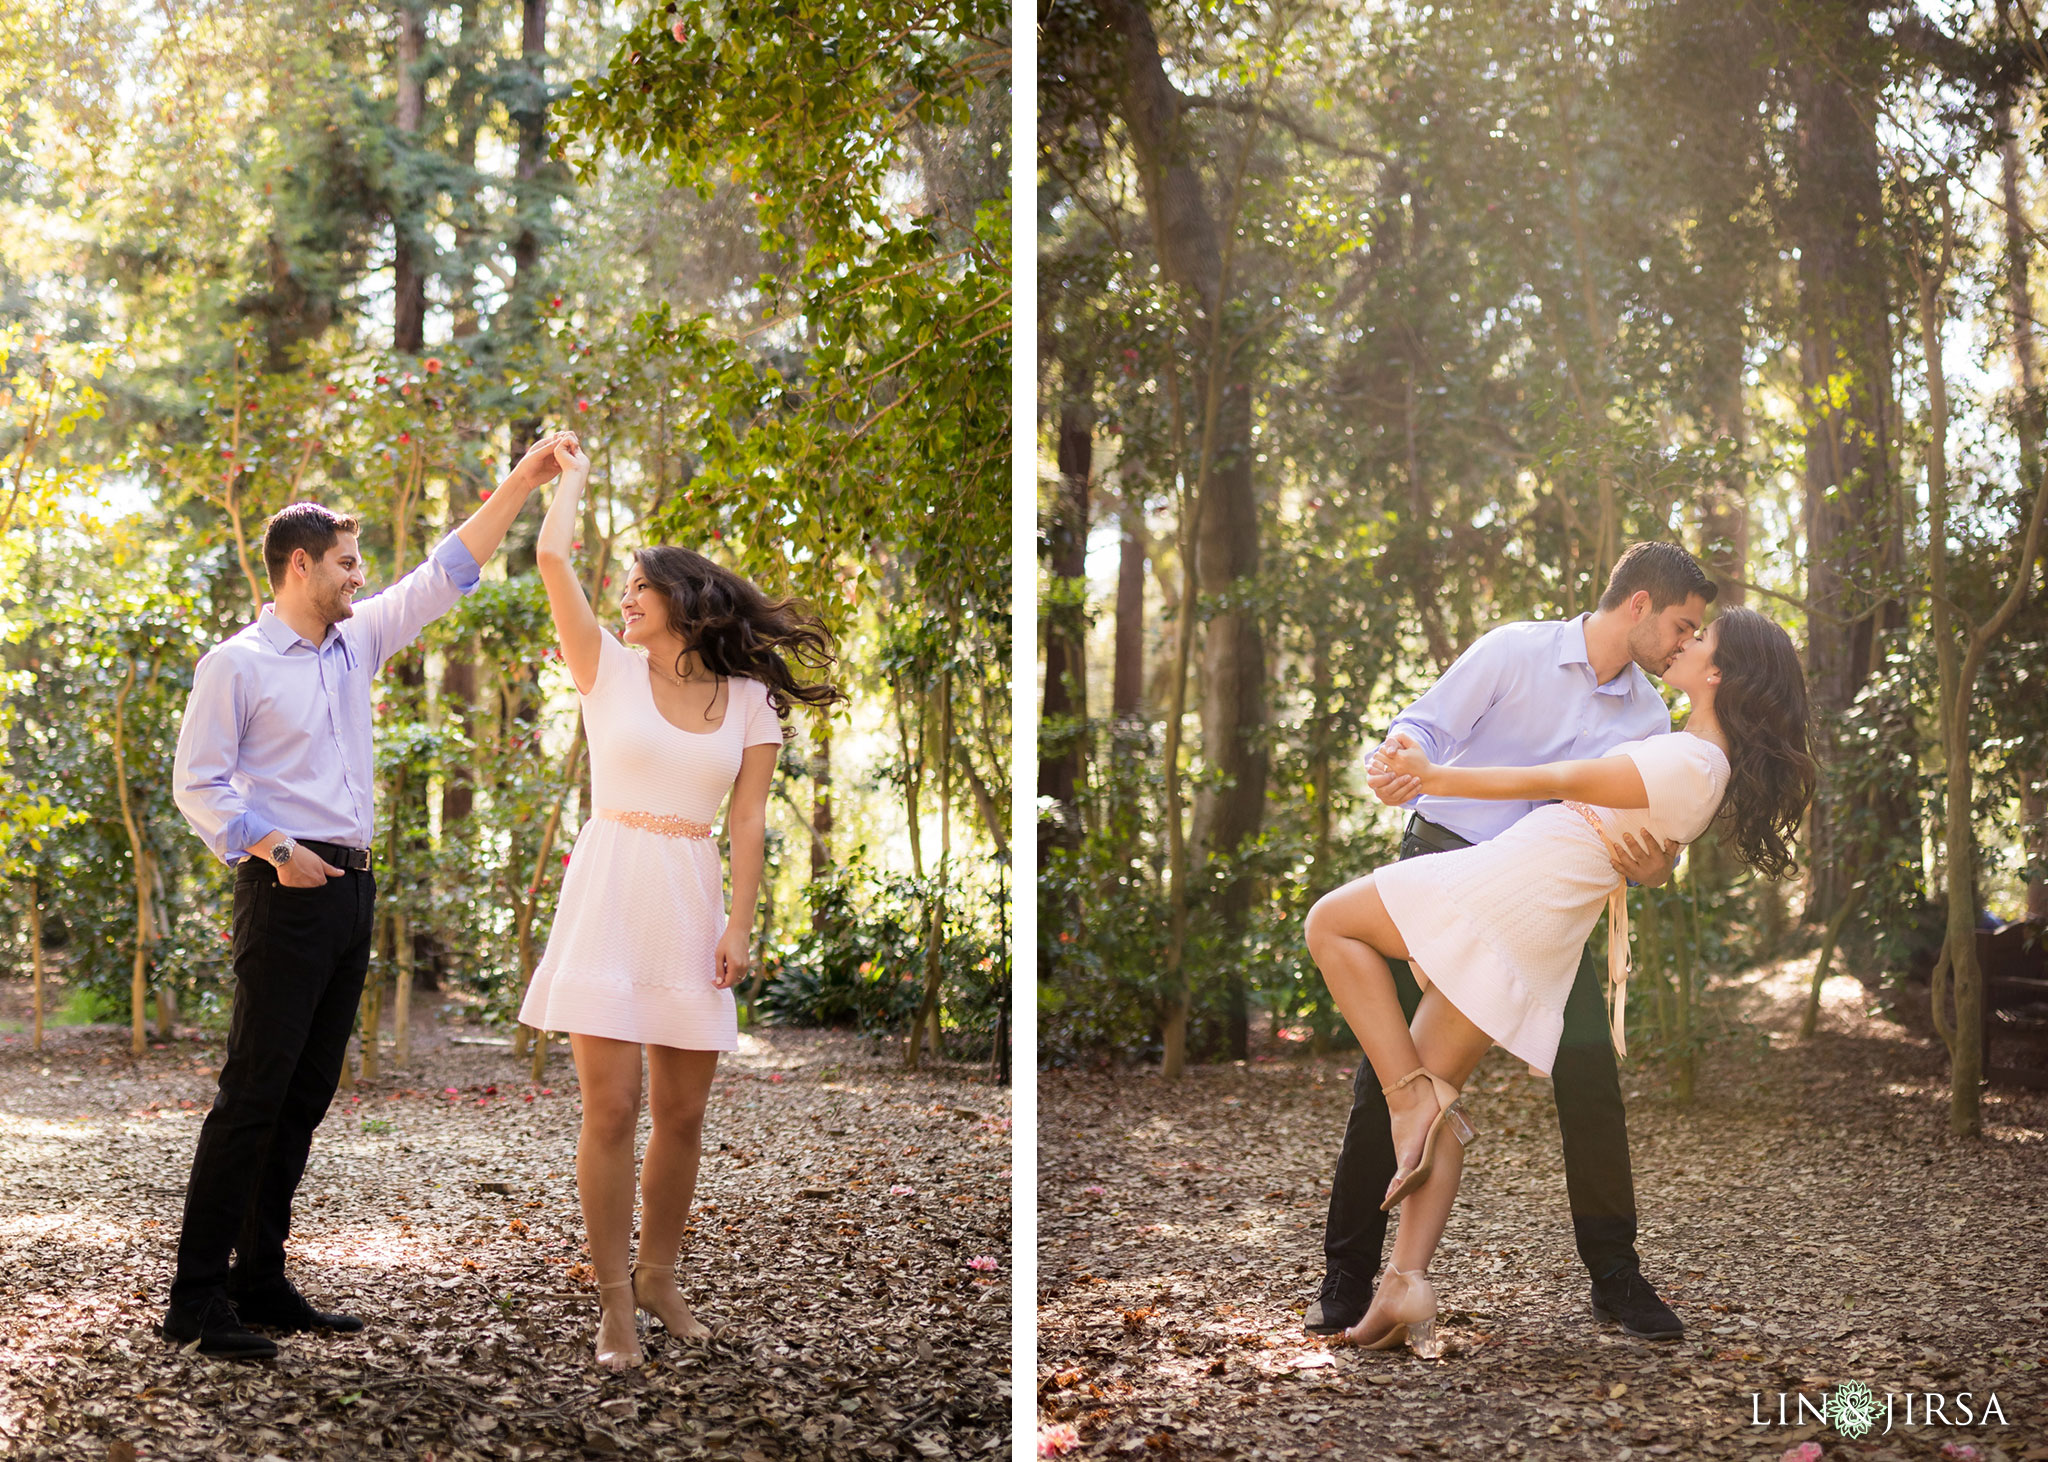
(737, 630)
(1761, 705)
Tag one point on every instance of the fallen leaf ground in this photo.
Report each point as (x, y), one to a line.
(851, 1323)
(1808, 1216)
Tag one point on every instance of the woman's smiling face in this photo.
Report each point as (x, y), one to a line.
(642, 608)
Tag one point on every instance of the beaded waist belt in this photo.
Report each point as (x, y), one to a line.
(667, 824)
(1617, 942)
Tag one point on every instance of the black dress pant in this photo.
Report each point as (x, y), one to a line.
(1589, 1118)
(300, 956)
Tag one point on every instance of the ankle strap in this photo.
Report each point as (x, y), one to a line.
(616, 1284)
(1416, 1075)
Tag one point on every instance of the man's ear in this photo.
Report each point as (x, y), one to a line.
(1639, 607)
(301, 563)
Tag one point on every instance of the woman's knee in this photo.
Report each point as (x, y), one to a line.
(680, 1118)
(1328, 918)
(609, 1117)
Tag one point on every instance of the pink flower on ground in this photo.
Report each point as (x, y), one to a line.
(984, 1261)
(778, 1076)
(1804, 1452)
(1961, 1451)
(1057, 1441)
(1095, 1190)
(902, 1190)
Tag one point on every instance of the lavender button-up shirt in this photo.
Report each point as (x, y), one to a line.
(277, 729)
(1522, 695)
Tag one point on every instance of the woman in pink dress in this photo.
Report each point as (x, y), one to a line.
(1494, 931)
(643, 951)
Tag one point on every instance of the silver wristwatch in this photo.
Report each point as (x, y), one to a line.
(281, 854)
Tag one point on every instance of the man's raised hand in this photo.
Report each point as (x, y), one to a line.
(539, 463)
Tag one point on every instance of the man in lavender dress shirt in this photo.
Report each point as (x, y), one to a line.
(1522, 695)
(273, 771)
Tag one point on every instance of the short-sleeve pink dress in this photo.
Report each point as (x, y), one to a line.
(1499, 927)
(633, 952)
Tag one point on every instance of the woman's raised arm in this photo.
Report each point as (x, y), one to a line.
(1607, 781)
(575, 623)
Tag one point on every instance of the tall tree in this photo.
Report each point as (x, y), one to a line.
(1854, 535)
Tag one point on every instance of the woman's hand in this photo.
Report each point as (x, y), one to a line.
(570, 459)
(1399, 758)
(732, 956)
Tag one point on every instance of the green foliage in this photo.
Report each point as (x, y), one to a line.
(1509, 289)
(194, 284)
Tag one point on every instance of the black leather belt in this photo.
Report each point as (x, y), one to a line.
(1431, 836)
(340, 857)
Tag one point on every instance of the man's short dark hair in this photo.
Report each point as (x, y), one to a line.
(300, 525)
(1666, 570)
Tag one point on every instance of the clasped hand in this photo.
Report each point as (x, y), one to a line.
(1396, 773)
(1396, 770)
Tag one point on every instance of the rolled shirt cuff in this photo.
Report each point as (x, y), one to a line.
(459, 562)
(238, 833)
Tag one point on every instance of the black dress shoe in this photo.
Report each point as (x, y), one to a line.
(213, 1322)
(1628, 1300)
(1335, 1310)
(280, 1306)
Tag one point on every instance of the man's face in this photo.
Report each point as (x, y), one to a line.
(1655, 640)
(332, 582)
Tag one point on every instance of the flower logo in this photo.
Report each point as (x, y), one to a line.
(1853, 1409)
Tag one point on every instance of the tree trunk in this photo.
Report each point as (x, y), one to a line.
(1127, 679)
(411, 247)
(528, 106)
(1062, 734)
(821, 809)
(2027, 420)
(935, 938)
(1958, 963)
(140, 861)
(35, 956)
(401, 1012)
(1193, 254)
(1837, 221)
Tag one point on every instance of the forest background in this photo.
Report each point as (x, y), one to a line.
(1365, 327)
(756, 253)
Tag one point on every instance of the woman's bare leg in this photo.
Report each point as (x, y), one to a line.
(1350, 935)
(608, 1072)
(679, 1085)
(1451, 1046)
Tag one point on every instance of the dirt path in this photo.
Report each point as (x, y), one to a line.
(842, 1203)
(1808, 1218)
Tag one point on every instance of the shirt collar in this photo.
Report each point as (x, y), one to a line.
(281, 637)
(1571, 650)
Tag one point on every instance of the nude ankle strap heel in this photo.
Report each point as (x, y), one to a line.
(618, 1360)
(1403, 1309)
(695, 1329)
(1450, 1117)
